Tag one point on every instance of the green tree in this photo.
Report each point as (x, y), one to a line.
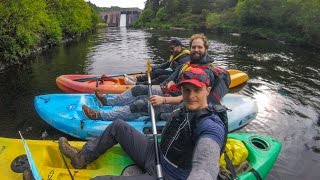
(213, 20)
(253, 12)
(22, 25)
(25, 25)
(199, 5)
(309, 20)
(163, 14)
(74, 16)
(153, 4)
(147, 15)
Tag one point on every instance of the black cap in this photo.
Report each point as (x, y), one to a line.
(175, 41)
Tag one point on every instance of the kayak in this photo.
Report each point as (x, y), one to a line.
(115, 84)
(64, 112)
(237, 77)
(76, 83)
(263, 152)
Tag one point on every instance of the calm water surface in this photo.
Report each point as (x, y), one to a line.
(284, 80)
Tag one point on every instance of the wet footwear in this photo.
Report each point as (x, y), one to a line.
(90, 113)
(77, 161)
(27, 174)
(102, 98)
(130, 80)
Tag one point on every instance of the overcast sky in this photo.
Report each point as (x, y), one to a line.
(120, 3)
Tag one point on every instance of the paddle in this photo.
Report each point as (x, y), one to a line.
(33, 167)
(103, 76)
(154, 128)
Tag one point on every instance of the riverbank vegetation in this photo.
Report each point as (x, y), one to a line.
(290, 21)
(27, 26)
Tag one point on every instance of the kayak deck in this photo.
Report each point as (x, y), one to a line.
(68, 84)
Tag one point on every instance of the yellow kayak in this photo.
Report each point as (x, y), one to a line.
(263, 152)
(237, 77)
(50, 163)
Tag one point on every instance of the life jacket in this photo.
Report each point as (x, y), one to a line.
(177, 140)
(221, 82)
(172, 59)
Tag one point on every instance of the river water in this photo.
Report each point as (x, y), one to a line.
(284, 80)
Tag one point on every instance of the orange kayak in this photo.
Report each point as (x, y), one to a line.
(115, 84)
(77, 83)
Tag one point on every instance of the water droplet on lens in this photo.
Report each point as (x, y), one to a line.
(29, 129)
(44, 135)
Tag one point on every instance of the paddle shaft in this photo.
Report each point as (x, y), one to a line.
(154, 128)
(99, 78)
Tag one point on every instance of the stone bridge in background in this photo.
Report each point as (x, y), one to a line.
(121, 17)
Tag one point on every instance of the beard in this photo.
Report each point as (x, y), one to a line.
(196, 57)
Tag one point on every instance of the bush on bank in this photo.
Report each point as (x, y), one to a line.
(29, 25)
(292, 21)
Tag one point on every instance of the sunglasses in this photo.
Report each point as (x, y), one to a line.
(190, 75)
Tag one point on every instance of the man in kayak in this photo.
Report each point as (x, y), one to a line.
(191, 141)
(161, 72)
(134, 102)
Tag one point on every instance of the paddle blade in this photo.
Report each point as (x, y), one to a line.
(33, 167)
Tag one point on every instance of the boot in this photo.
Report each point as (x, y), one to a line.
(90, 113)
(130, 80)
(102, 98)
(27, 174)
(77, 161)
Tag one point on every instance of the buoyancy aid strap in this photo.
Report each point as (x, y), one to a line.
(187, 65)
(256, 174)
(230, 166)
(173, 58)
(216, 96)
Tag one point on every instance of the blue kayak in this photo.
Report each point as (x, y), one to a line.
(64, 112)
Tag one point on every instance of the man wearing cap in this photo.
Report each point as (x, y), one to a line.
(161, 72)
(134, 102)
(191, 141)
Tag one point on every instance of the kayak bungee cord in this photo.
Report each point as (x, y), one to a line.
(65, 163)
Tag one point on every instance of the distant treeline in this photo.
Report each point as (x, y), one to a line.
(26, 25)
(292, 21)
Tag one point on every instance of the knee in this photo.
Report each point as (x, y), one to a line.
(118, 122)
(139, 90)
(138, 106)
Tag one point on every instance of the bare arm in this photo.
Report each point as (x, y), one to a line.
(205, 160)
(158, 100)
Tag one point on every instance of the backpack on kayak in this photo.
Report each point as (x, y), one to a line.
(221, 84)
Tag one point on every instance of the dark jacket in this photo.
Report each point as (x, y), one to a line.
(175, 61)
